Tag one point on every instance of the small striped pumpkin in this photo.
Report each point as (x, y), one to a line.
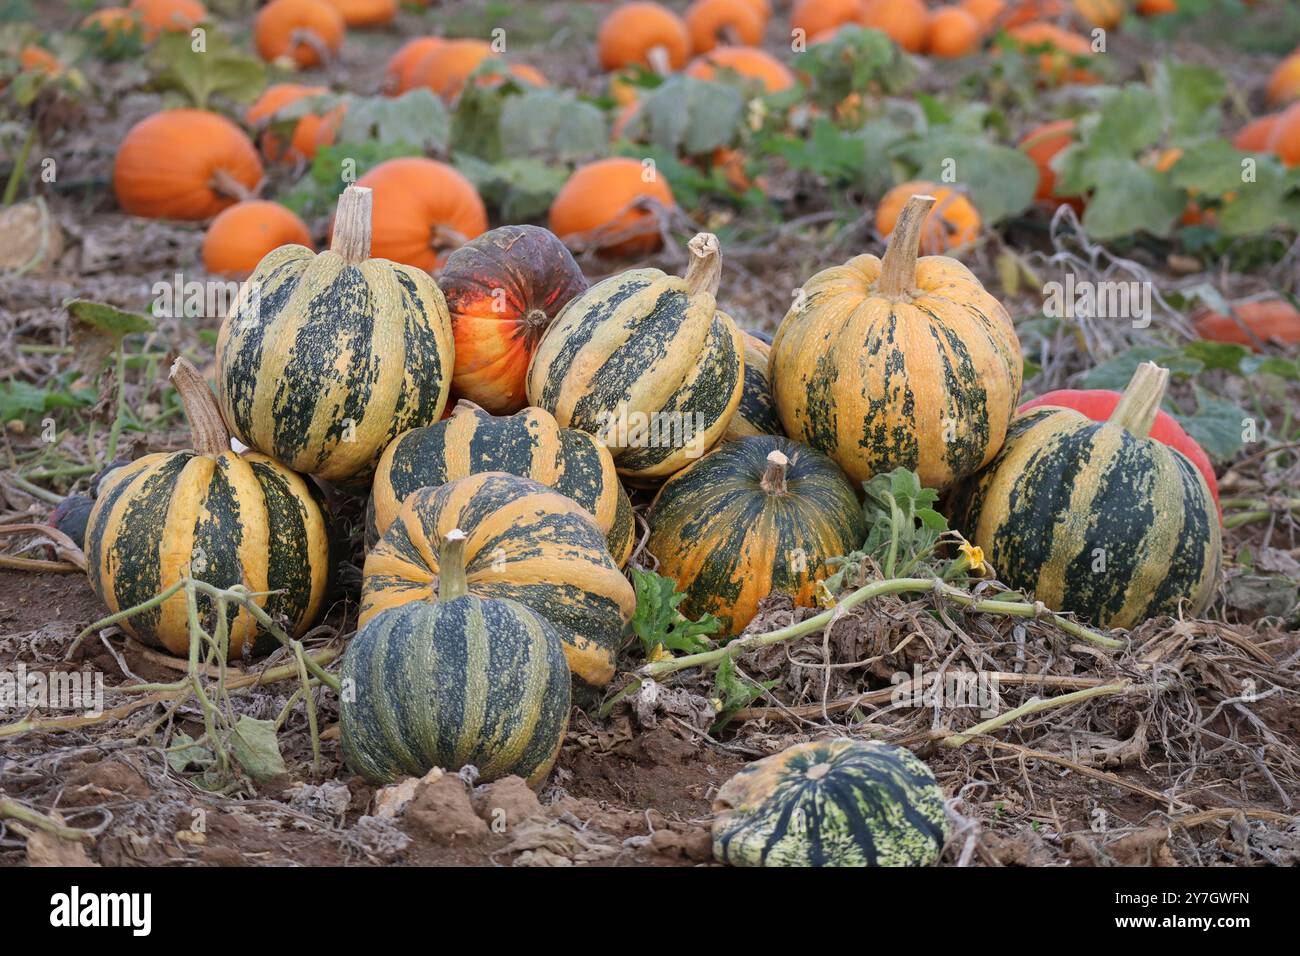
(756, 414)
(456, 681)
(325, 358)
(645, 361)
(530, 444)
(1097, 517)
(757, 515)
(898, 362)
(526, 542)
(212, 515)
(836, 802)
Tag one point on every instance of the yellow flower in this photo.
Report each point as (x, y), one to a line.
(660, 653)
(974, 556)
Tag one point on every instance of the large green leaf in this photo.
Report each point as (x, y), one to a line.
(1190, 95)
(1128, 198)
(219, 68)
(689, 116)
(551, 124)
(1001, 180)
(1130, 121)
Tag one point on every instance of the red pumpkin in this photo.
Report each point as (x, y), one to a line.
(503, 290)
(1269, 320)
(1099, 404)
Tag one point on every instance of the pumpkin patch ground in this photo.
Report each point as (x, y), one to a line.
(552, 401)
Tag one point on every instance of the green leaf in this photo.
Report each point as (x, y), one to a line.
(553, 125)
(1226, 355)
(734, 693)
(1216, 425)
(184, 753)
(1001, 180)
(1256, 206)
(1210, 167)
(416, 118)
(1115, 373)
(219, 69)
(108, 319)
(657, 621)
(1130, 121)
(1131, 198)
(689, 116)
(1190, 95)
(903, 527)
(522, 189)
(254, 746)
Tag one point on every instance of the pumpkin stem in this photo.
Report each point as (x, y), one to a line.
(227, 185)
(352, 225)
(451, 566)
(774, 478)
(1136, 411)
(658, 58)
(445, 237)
(207, 428)
(705, 270)
(898, 267)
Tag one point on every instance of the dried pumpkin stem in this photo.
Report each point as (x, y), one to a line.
(898, 267)
(352, 225)
(1136, 411)
(659, 59)
(705, 270)
(207, 427)
(226, 184)
(774, 478)
(451, 566)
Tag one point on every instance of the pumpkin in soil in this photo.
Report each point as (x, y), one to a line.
(906, 22)
(837, 802)
(1285, 138)
(167, 16)
(446, 68)
(953, 222)
(1099, 404)
(952, 33)
(530, 444)
(1097, 518)
(1021, 12)
(612, 205)
(1255, 135)
(184, 164)
(1155, 8)
(1043, 145)
(896, 362)
(645, 361)
(819, 16)
(756, 413)
(714, 23)
(1284, 84)
(424, 209)
(525, 542)
(1058, 50)
(756, 516)
(365, 13)
(1271, 320)
(400, 71)
(1107, 14)
(35, 59)
(309, 133)
(325, 358)
(643, 34)
(306, 31)
(213, 515)
(459, 681)
(986, 12)
(504, 289)
(750, 63)
(241, 235)
(762, 8)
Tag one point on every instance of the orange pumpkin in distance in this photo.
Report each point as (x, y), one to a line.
(986, 12)
(446, 68)
(952, 222)
(1285, 138)
(601, 207)
(815, 17)
(952, 33)
(305, 31)
(906, 22)
(644, 34)
(365, 13)
(749, 62)
(1284, 84)
(713, 23)
(399, 72)
(1042, 145)
(1255, 135)
(309, 133)
(241, 235)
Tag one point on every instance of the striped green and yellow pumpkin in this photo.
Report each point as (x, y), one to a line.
(837, 802)
(212, 515)
(529, 443)
(526, 542)
(897, 361)
(756, 414)
(646, 362)
(325, 358)
(1096, 517)
(756, 515)
(456, 681)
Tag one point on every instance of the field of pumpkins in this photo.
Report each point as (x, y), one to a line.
(728, 432)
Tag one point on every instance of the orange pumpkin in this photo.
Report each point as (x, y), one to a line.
(524, 72)
(503, 290)
(1271, 320)
(399, 73)
(305, 31)
(365, 13)
(713, 23)
(644, 34)
(762, 8)
(952, 222)
(603, 206)
(35, 59)
(903, 21)
(1193, 213)
(168, 16)
(1042, 146)
(184, 164)
(750, 62)
(1284, 84)
(952, 32)
(985, 12)
(423, 209)
(309, 134)
(1056, 64)
(1255, 135)
(1155, 8)
(815, 17)
(1106, 14)
(1028, 11)
(448, 66)
(1285, 138)
(240, 236)
(113, 23)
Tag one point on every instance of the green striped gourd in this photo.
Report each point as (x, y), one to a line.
(837, 802)
(456, 681)
(325, 358)
(756, 414)
(529, 443)
(645, 361)
(215, 516)
(756, 515)
(526, 542)
(1096, 517)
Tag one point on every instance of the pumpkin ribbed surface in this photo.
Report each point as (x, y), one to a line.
(530, 444)
(1094, 519)
(526, 542)
(837, 802)
(644, 360)
(458, 682)
(325, 358)
(756, 414)
(737, 525)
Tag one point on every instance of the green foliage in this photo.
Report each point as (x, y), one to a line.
(732, 693)
(316, 193)
(903, 528)
(550, 125)
(522, 189)
(689, 116)
(23, 400)
(658, 623)
(856, 60)
(219, 70)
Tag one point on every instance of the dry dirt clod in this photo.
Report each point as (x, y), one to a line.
(103, 782)
(441, 812)
(505, 803)
(694, 844)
